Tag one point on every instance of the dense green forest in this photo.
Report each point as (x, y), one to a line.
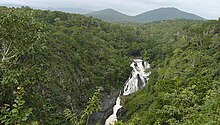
(54, 65)
(184, 85)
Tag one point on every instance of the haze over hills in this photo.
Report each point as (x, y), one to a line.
(111, 15)
(64, 9)
(69, 10)
(170, 13)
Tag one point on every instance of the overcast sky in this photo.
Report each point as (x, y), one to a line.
(209, 9)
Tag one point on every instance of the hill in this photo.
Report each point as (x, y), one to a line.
(171, 13)
(59, 57)
(69, 10)
(165, 14)
(110, 15)
(183, 87)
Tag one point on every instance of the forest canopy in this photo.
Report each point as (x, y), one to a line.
(52, 61)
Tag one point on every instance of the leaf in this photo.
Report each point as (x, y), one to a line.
(34, 123)
(15, 105)
(17, 101)
(24, 118)
(14, 110)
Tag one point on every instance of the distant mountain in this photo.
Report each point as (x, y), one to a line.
(11, 5)
(170, 13)
(165, 14)
(67, 10)
(110, 15)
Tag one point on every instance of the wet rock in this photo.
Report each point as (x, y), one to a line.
(107, 103)
(121, 113)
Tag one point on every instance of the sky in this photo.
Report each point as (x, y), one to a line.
(209, 9)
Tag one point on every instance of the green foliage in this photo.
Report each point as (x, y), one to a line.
(22, 63)
(82, 118)
(17, 114)
(118, 123)
(60, 58)
(78, 54)
(185, 71)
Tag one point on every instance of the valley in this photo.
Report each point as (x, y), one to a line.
(60, 68)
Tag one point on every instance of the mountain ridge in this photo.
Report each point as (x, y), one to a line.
(110, 15)
(164, 13)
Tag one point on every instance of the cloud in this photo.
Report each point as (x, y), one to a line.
(13, 2)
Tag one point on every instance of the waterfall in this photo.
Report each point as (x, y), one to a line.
(138, 77)
(137, 80)
(112, 118)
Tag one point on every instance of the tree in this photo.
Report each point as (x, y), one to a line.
(21, 46)
(82, 118)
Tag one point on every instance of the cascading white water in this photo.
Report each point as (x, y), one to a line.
(112, 118)
(137, 80)
(138, 77)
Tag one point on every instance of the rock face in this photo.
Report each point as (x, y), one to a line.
(107, 104)
(112, 118)
(138, 77)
